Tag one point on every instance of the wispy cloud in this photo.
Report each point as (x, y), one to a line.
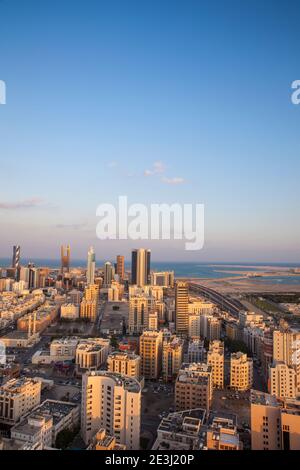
(157, 169)
(175, 180)
(25, 204)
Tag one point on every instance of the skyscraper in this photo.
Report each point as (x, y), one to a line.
(65, 258)
(120, 267)
(108, 274)
(140, 266)
(181, 308)
(91, 264)
(16, 260)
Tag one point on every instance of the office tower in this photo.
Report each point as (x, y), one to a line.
(172, 358)
(32, 276)
(215, 358)
(241, 371)
(141, 304)
(193, 387)
(125, 363)
(163, 279)
(108, 274)
(65, 256)
(17, 397)
(283, 380)
(286, 348)
(91, 265)
(120, 269)
(275, 424)
(181, 307)
(113, 402)
(16, 256)
(151, 354)
(140, 267)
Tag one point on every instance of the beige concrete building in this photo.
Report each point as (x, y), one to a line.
(222, 432)
(151, 354)
(69, 311)
(275, 425)
(193, 387)
(153, 321)
(286, 348)
(91, 353)
(194, 325)
(172, 358)
(125, 363)
(283, 381)
(103, 441)
(241, 371)
(17, 397)
(181, 307)
(88, 310)
(113, 402)
(141, 304)
(215, 358)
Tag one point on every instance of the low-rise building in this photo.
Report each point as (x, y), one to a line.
(194, 387)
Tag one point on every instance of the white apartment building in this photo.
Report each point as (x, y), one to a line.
(17, 397)
(113, 402)
(172, 357)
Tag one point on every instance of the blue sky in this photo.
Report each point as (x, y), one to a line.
(97, 92)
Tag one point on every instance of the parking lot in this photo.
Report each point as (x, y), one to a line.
(157, 402)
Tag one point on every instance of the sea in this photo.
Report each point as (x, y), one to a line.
(212, 270)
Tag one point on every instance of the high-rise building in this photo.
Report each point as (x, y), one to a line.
(151, 354)
(215, 358)
(140, 267)
(65, 256)
(275, 424)
(286, 348)
(141, 304)
(193, 387)
(181, 307)
(88, 310)
(172, 358)
(163, 279)
(120, 270)
(241, 371)
(16, 256)
(108, 274)
(283, 380)
(91, 266)
(113, 402)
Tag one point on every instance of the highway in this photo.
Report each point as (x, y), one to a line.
(232, 306)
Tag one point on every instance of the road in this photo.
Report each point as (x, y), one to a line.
(233, 306)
